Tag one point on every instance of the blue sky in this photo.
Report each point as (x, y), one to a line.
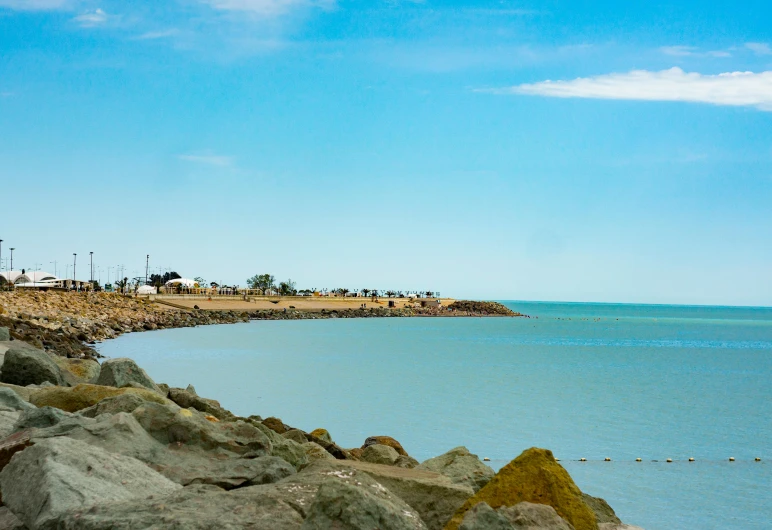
(584, 151)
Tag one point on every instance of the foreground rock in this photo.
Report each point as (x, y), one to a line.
(380, 454)
(522, 516)
(123, 372)
(76, 371)
(24, 365)
(189, 399)
(432, 495)
(534, 476)
(461, 467)
(385, 440)
(60, 474)
(346, 506)
(83, 396)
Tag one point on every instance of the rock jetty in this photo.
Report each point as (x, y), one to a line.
(88, 446)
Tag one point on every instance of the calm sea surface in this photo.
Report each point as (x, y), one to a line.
(585, 380)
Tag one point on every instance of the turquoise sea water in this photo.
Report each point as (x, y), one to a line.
(585, 380)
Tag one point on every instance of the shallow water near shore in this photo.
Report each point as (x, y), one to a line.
(585, 380)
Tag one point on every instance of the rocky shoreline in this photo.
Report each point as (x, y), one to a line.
(68, 323)
(85, 445)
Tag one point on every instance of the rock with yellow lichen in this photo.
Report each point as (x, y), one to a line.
(84, 395)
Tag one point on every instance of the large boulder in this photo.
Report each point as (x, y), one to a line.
(316, 452)
(384, 440)
(461, 467)
(76, 371)
(8, 420)
(122, 372)
(60, 474)
(83, 396)
(21, 391)
(295, 435)
(534, 476)
(522, 516)
(380, 454)
(5, 335)
(40, 418)
(432, 495)
(186, 427)
(25, 365)
(346, 506)
(603, 512)
(8, 521)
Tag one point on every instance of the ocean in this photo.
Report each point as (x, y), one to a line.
(590, 381)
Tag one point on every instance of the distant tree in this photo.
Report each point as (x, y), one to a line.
(342, 291)
(287, 288)
(400, 295)
(214, 284)
(262, 282)
(199, 280)
(390, 294)
(429, 294)
(365, 291)
(375, 293)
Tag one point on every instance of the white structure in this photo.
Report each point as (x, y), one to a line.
(146, 289)
(185, 282)
(42, 280)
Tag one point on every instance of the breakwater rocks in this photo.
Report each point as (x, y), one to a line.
(89, 446)
(483, 308)
(66, 323)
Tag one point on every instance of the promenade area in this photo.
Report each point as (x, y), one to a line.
(301, 303)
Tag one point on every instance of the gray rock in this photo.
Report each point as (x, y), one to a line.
(237, 472)
(8, 521)
(76, 371)
(191, 389)
(316, 452)
(380, 454)
(22, 391)
(461, 467)
(433, 496)
(186, 400)
(407, 462)
(113, 405)
(25, 365)
(346, 506)
(196, 507)
(184, 427)
(521, 516)
(10, 401)
(5, 335)
(291, 451)
(40, 418)
(296, 435)
(603, 512)
(61, 474)
(122, 372)
(8, 421)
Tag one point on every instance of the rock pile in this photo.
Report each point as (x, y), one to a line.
(483, 308)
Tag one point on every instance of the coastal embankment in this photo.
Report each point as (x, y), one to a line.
(68, 322)
(89, 445)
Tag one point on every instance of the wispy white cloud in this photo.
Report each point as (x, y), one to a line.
(210, 159)
(91, 19)
(759, 48)
(34, 5)
(267, 7)
(154, 35)
(7, 94)
(732, 88)
(692, 51)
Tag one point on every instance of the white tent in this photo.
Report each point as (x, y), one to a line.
(185, 282)
(147, 289)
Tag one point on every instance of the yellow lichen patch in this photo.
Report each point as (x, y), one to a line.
(83, 396)
(211, 418)
(186, 413)
(534, 476)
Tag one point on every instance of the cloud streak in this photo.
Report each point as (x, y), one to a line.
(267, 7)
(741, 89)
(91, 19)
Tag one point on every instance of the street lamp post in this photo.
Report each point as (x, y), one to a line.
(147, 263)
(74, 260)
(91, 257)
(10, 282)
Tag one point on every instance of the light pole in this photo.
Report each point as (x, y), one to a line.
(74, 260)
(12, 249)
(91, 257)
(54, 264)
(147, 263)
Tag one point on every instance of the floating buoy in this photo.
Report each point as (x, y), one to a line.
(637, 459)
(486, 459)
(607, 459)
(669, 460)
(691, 460)
(731, 459)
(758, 459)
(583, 460)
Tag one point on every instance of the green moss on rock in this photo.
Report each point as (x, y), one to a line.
(83, 396)
(534, 476)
